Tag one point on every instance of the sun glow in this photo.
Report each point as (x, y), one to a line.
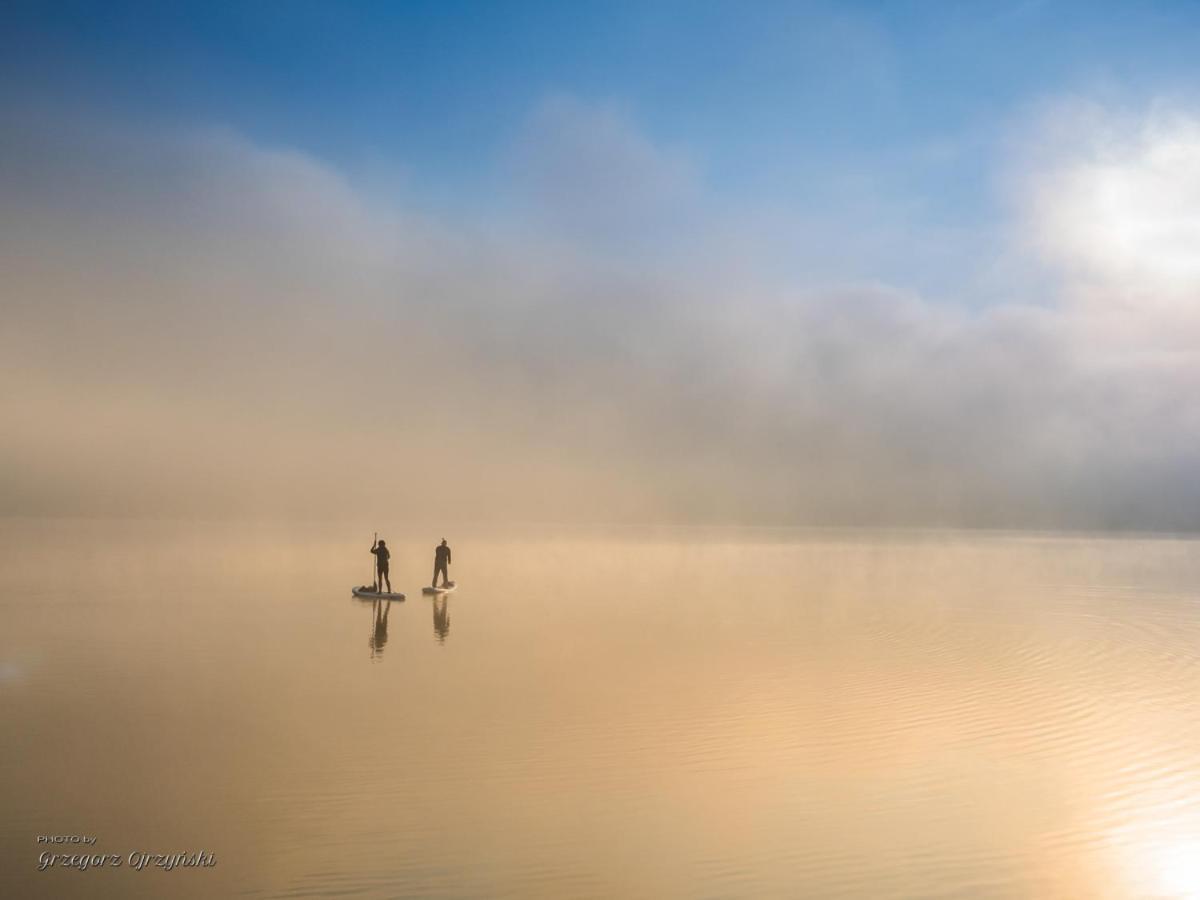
(1122, 208)
(1175, 868)
(1162, 862)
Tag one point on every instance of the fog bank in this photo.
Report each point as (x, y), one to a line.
(194, 324)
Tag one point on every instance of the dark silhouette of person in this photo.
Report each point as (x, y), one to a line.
(441, 559)
(441, 617)
(382, 556)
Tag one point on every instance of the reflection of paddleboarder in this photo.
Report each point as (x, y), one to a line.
(441, 559)
(441, 617)
(382, 555)
(379, 634)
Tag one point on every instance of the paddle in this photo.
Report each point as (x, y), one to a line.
(375, 565)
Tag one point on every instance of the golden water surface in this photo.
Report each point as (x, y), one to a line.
(618, 713)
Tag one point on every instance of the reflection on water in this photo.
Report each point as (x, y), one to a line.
(379, 630)
(441, 617)
(952, 715)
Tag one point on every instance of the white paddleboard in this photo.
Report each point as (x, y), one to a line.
(367, 593)
(444, 589)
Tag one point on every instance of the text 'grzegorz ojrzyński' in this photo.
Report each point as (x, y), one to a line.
(135, 859)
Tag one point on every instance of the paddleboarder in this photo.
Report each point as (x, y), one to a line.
(382, 555)
(441, 559)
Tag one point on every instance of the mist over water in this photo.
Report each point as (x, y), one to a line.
(808, 392)
(199, 324)
(597, 713)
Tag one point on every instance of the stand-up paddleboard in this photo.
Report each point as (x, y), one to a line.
(444, 589)
(369, 593)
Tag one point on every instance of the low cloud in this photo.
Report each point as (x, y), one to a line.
(198, 324)
(584, 171)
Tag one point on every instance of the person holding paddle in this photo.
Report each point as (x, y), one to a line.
(382, 556)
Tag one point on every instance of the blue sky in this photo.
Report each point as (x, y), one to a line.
(770, 99)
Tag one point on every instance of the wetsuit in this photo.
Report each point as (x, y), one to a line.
(441, 559)
(382, 555)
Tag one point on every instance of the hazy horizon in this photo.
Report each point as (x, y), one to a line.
(645, 270)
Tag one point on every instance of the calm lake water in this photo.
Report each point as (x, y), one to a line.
(621, 713)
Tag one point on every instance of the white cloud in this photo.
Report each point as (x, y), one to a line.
(587, 170)
(200, 322)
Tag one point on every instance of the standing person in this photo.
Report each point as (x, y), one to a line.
(382, 556)
(441, 559)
